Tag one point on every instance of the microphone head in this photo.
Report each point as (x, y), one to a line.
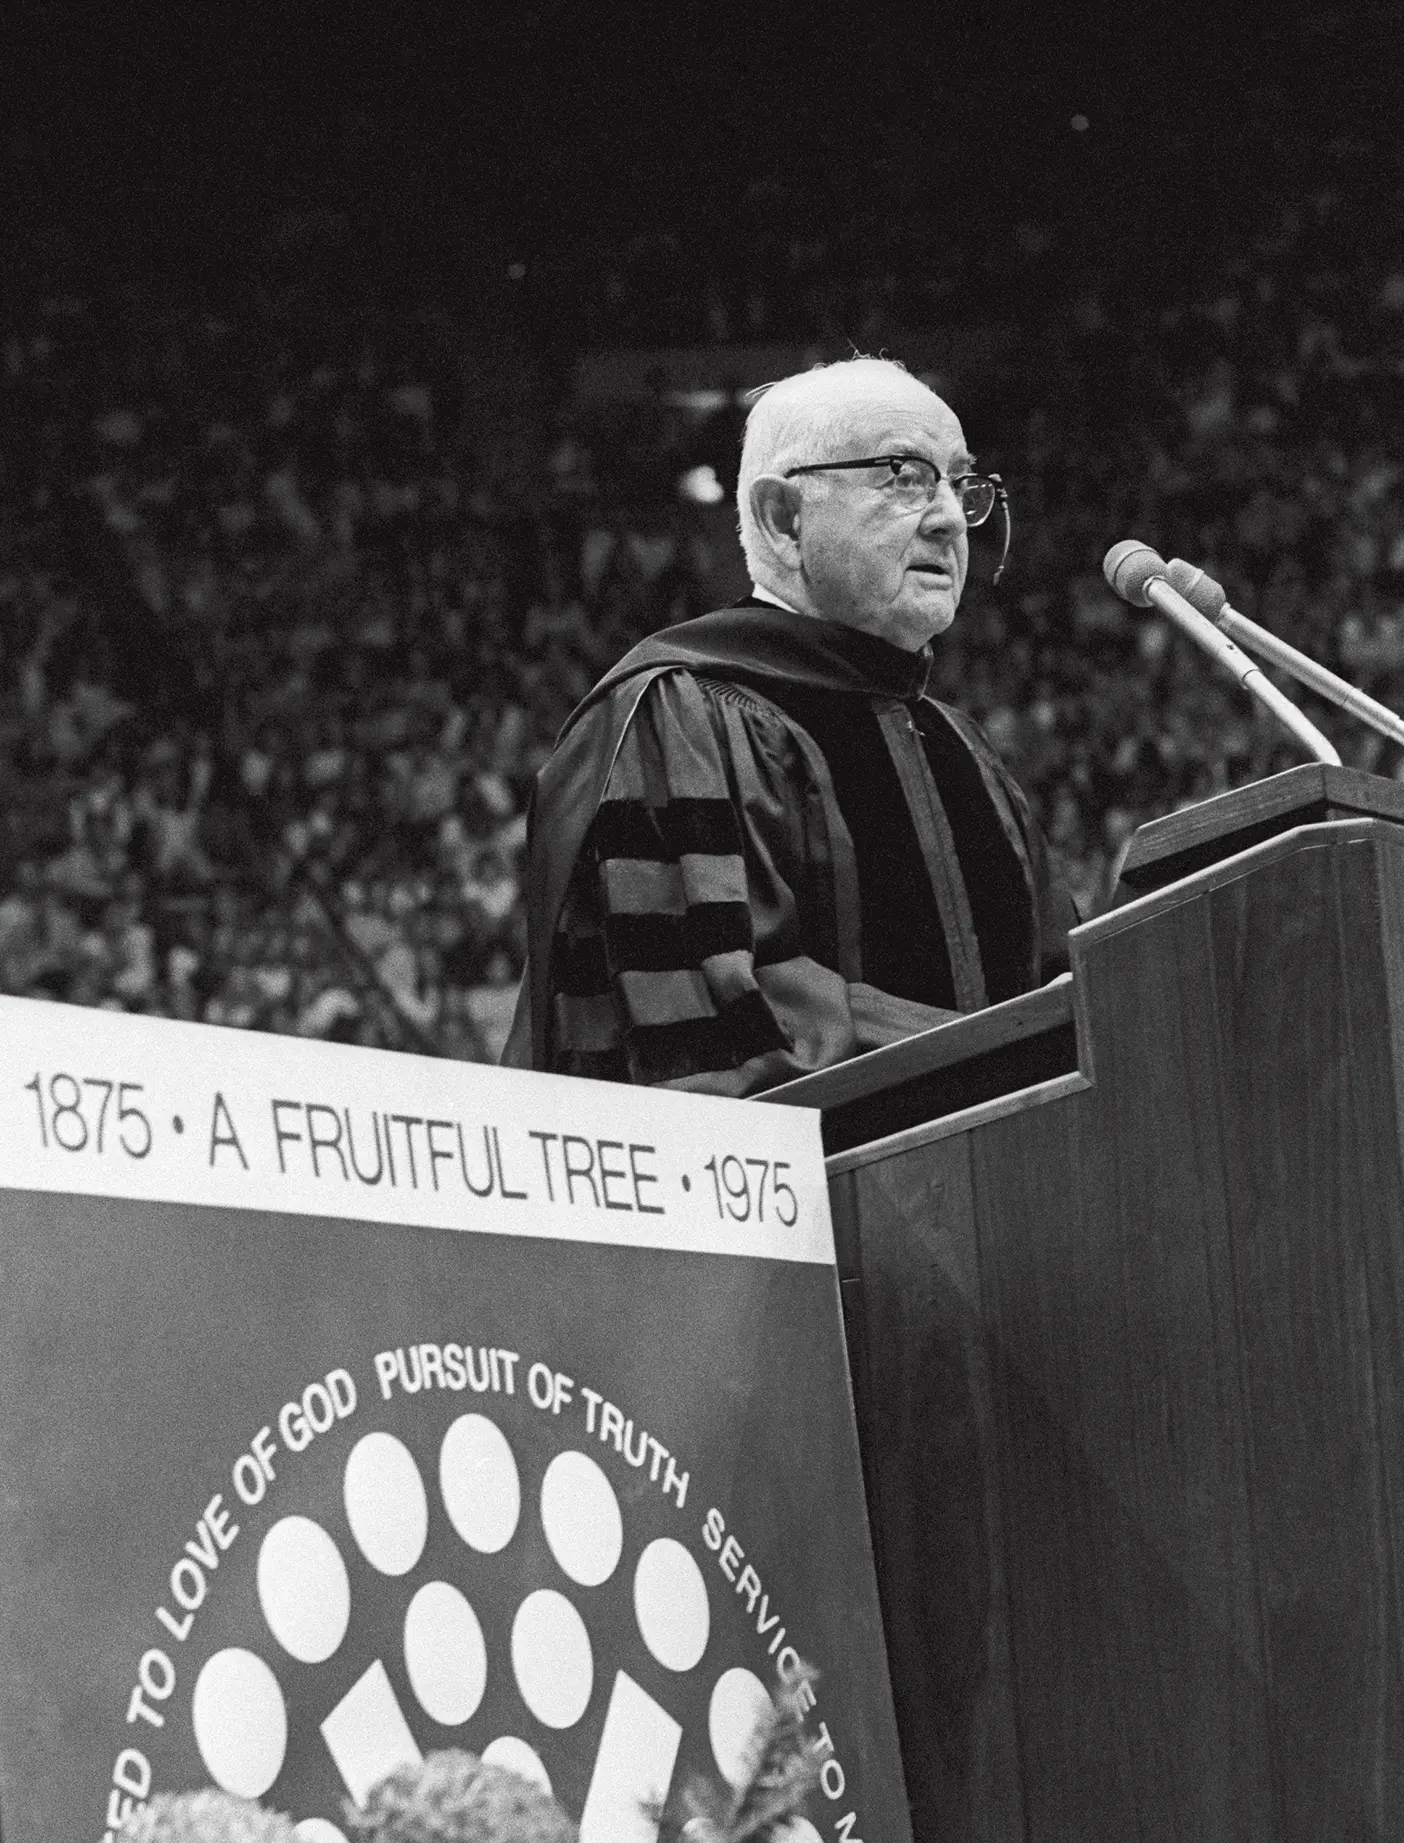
(1201, 592)
(1129, 566)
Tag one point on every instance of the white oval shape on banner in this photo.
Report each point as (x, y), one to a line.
(798, 1830)
(518, 1758)
(738, 1701)
(303, 1589)
(551, 1658)
(478, 1478)
(444, 1654)
(385, 1503)
(671, 1605)
(240, 1722)
(580, 1515)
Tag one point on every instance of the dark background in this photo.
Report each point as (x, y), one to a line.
(168, 137)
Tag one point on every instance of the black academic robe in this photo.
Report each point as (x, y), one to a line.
(759, 848)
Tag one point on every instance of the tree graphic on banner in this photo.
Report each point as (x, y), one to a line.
(239, 1707)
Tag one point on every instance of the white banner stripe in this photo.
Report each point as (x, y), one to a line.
(98, 1103)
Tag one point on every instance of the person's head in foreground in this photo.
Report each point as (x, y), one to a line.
(205, 1817)
(454, 1797)
(856, 493)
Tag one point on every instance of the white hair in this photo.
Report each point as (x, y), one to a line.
(804, 418)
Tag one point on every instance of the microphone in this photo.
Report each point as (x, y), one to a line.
(1138, 575)
(1203, 593)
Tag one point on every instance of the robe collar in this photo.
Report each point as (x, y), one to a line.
(757, 641)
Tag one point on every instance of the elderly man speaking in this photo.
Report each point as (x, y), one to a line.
(760, 847)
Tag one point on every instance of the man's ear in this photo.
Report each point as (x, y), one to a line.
(775, 507)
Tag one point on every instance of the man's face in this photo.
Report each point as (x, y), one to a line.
(868, 562)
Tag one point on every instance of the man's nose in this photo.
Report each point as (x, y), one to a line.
(945, 513)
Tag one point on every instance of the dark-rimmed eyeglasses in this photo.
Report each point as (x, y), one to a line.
(914, 482)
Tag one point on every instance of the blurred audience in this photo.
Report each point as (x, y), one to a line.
(289, 618)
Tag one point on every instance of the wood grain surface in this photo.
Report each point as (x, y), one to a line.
(927, 1418)
(993, 1052)
(1140, 1347)
(1312, 1179)
(1105, 1251)
(1214, 829)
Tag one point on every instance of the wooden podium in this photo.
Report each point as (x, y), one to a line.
(1123, 1268)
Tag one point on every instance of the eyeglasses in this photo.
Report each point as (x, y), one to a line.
(914, 483)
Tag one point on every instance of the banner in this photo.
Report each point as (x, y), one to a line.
(356, 1405)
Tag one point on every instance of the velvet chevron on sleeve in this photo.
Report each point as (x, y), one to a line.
(677, 956)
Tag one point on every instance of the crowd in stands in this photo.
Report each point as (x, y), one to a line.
(290, 613)
(280, 654)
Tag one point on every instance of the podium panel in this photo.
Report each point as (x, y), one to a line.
(1129, 1362)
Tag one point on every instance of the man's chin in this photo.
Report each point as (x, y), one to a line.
(907, 624)
(917, 630)
(931, 612)
(930, 622)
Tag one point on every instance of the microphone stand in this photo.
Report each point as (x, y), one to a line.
(1254, 681)
(1204, 594)
(1138, 575)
